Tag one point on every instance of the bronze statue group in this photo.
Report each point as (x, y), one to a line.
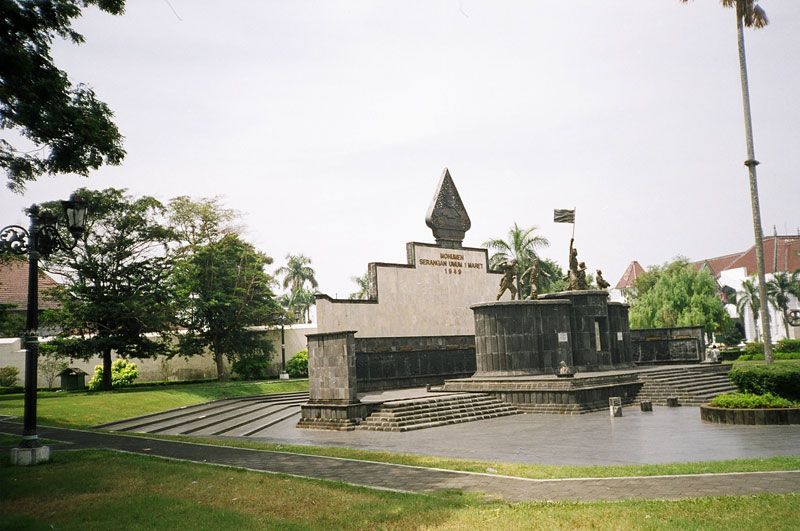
(533, 274)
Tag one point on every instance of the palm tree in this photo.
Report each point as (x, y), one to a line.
(779, 289)
(363, 287)
(750, 14)
(297, 272)
(305, 298)
(749, 299)
(520, 246)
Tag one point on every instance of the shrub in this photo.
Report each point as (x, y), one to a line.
(751, 401)
(781, 380)
(254, 366)
(751, 349)
(8, 376)
(297, 367)
(788, 345)
(122, 374)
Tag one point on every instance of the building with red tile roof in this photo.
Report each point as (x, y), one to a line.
(14, 286)
(628, 279)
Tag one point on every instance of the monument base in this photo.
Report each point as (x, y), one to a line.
(30, 456)
(332, 415)
(583, 393)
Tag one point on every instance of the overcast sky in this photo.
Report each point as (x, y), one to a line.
(328, 124)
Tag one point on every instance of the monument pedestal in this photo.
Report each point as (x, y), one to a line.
(332, 415)
(333, 394)
(30, 456)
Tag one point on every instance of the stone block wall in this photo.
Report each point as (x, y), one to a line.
(401, 362)
(519, 338)
(332, 368)
(619, 334)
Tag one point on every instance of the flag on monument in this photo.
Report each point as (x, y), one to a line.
(564, 216)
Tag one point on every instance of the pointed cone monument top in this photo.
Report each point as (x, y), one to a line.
(447, 216)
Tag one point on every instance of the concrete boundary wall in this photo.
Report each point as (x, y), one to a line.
(176, 368)
(430, 295)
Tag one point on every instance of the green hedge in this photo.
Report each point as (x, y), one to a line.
(781, 380)
(775, 355)
(783, 346)
(788, 345)
(751, 401)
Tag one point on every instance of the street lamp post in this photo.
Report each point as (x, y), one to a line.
(284, 375)
(38, 241)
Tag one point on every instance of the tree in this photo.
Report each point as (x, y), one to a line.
(306, 298)
(779, 289)
(750, 299)
(223, 290)
(115, 295)
(680, 296)
(297, 272)
(12, 324)
(200, 222)
(750, 14)
(70, 130)
(363, 287)
(521, 246)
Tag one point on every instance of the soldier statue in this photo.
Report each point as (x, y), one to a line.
(507, 282)
(533, 274)
(601, 282)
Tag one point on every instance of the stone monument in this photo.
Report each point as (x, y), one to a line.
(431, 293)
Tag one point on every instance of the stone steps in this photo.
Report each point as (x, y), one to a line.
(691, 386)
(416, 414)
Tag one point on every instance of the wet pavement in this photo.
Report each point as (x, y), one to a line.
(666, 435)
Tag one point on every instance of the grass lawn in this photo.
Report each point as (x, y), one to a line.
(80, 409)
(90, 490)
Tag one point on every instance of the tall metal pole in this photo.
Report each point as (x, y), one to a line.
(284, 375)
(29, 437)
(751, 164)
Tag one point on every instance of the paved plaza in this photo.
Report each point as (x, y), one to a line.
(663, 436)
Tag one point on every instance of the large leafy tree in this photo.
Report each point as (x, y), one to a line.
(750, 14)
(223, 290)
(115, 295)
(749, 298)
(680, 295)
(521, 245)
(65, 127)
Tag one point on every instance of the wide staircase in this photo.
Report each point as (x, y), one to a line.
(429, 412)
(692, 386)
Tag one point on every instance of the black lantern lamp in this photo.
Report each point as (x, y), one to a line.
(41, 239)
(75, 210)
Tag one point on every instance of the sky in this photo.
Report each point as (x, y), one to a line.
(328, 124)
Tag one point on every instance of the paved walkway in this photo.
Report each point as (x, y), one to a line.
(420, 479)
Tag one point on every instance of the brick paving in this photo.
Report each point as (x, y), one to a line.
(420, 479)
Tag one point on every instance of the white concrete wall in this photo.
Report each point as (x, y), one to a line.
(177, 368)
(430, 296)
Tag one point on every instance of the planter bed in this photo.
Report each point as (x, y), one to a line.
(758, 416)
